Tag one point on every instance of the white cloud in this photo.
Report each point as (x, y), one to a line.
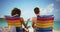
(44, 11)
(27, 14)
(48, 9)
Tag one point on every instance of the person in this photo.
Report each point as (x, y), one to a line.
(35, 25)
(17, 13)
(34, 19)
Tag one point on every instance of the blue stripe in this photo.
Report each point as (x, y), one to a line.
(44, 29)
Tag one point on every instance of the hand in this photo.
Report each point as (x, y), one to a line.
(28, 27)
(4, 28)
(27, 22)
(28, 19)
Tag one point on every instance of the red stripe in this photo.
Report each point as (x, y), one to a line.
(44, 19)
(12, 18)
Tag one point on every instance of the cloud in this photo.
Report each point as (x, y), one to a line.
(27, 14)
(44, 11)
(48, 9)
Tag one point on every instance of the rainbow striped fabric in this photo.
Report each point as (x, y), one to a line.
(45, 24)
(14, 21)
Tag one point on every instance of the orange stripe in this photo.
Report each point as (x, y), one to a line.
(44, 26)
(44, 22)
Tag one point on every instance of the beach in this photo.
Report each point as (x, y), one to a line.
(56, 30)
(56, 25)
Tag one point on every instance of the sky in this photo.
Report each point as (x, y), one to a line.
(47, 7)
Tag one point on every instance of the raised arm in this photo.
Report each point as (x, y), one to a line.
(33, 22)
(23, 22)
(27, 21)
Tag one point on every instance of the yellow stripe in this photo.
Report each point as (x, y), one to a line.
(43, 26)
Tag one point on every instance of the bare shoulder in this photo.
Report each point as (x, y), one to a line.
(34, 18)
(21, 18)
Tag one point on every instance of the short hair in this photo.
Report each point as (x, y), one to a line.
(36, 10)
(16, 11)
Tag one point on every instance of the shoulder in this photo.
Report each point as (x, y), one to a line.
(21, 18)
(34, 17)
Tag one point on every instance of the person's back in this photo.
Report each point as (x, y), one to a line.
(34, 19)
(42, 23)
(16, 13)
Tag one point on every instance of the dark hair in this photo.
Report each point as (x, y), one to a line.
(36, 10)
(16, 11)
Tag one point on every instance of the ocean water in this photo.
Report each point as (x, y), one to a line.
(3, 23)
(56, 24)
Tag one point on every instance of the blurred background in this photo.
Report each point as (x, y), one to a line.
(47, 7)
